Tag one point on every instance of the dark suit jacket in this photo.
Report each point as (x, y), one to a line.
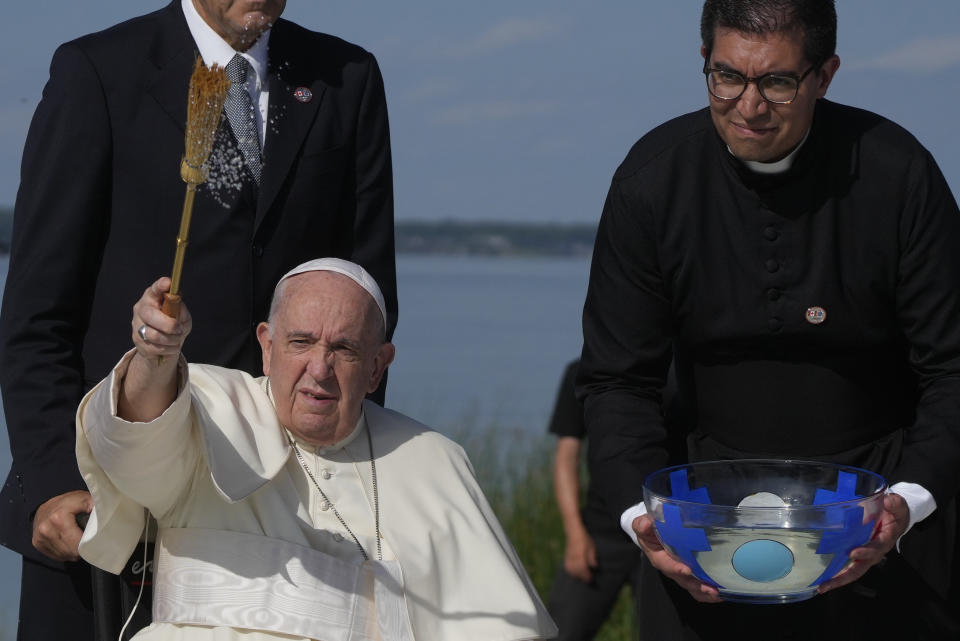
(99, 206)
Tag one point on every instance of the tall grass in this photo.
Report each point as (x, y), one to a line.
(515, 471)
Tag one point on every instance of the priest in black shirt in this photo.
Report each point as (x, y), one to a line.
(799, 260)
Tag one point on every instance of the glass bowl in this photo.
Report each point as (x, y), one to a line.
(761, 530)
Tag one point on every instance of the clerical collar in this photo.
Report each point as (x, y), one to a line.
(777, 167)
(214, 49)
(321, 450)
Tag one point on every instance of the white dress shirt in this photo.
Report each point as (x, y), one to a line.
(215, 50)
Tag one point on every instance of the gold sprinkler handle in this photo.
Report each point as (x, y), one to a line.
(193, 176)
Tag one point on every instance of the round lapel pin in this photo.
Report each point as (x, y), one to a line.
(303, 94)
(815, 315)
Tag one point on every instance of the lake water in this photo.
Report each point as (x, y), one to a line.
(481, 344)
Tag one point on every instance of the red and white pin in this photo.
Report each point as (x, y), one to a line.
(303, 94)
(815, 315)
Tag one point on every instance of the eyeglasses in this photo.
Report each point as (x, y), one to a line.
(777, 88)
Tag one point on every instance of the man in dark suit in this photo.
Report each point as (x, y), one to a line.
(97, 216)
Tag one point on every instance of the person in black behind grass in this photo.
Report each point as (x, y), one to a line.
(798, 259)
(598, 558)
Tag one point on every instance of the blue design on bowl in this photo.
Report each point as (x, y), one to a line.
(764, 531)
(683, 540)
(846, 490)
(680, 488)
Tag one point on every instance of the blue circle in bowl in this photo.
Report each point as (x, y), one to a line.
(763, 560)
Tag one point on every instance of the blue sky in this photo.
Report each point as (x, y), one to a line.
(522, 110)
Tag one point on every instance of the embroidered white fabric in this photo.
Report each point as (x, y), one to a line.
(220, 578)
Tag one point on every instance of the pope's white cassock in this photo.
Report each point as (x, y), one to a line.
(249, 549)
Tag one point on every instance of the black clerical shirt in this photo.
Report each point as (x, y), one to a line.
(811, 313)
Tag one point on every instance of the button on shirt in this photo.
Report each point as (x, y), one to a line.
(343, 471)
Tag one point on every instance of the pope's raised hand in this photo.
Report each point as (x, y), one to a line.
(673, 569)
(150, 383)
(156, 335)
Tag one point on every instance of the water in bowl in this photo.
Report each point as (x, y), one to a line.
(764, 566)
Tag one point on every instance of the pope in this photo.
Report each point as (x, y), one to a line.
(287, 505)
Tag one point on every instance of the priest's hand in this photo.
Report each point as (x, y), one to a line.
(55, 530)
(150, 383)
(892, 525)
(673, 569)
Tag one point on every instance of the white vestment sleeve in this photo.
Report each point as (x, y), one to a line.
(130, 466)
(150, 463)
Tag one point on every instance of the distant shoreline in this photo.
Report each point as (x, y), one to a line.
(494, 238)
(459, 238)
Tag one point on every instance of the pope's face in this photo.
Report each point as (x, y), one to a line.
(240, 22)
(753, 128)
(324, 356)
